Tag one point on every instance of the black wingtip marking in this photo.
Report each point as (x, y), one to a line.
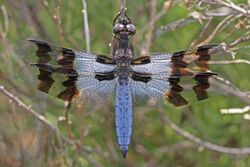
(175, 98)
(202, 85)
(59, 70)
(180, 61)
(47, 52)
(46, 81)
(42, 45)
(173, 95)
(68, 93)
(204, 55)
(177, 60)
(42, 52)
(200, 88)
(55, 59)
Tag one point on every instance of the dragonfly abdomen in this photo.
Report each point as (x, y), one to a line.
(123, 114)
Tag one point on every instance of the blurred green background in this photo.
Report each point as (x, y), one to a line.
(24, 141)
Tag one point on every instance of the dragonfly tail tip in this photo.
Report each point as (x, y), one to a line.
(124, 153)
(124, 150)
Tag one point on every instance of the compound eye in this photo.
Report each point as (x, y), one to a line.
(118, 28)
(131, 29)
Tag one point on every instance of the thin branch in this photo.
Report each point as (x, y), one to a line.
(86, 24)
(228, 89)
(177, 147)
(174, 25)
(123, 8)
(28, 109)
(235, 110)
(150, 26)
(56, 17)
(246, 116)
(4, 30)
(153, 5)
(203, 32)
(42, 119)
(218, 28)
(158, 16)
(237, 61)
(31, 17)
(83, 150)
(243, 38)
(203, 143)
(229, 4)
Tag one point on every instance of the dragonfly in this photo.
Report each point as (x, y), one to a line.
(123, 75)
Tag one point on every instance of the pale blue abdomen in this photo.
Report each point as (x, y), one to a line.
(123, 114)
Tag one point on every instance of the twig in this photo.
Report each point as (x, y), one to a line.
(235, 110)
(56, 17)
(123, 8)
(86, 24)
(83, 150)
(174, 25)
(243, 38)
(177, 147)
(152, 26)
(203, 143)
(246, 116)
(4, 30)
(229, 4)
(158, 16)
(227, 88)
(230, 61)
(203, 32)
(28, 109)
(42, 119)
(218, 28)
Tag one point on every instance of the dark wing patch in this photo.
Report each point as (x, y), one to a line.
(202, 84)
(200, 88)
(71, 89)
(45, 77)
(104, 59)
(102, 76)
(48, 53)
(46, 81)
(192, 63)
(141, 60)
(65, 73)
(51, 60)
(142, 77)
(200, 56)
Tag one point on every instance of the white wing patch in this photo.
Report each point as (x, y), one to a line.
(160, 68)
(87, 66)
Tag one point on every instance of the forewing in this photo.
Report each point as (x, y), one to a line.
(168, 75)
(66, 73)
(95, 78)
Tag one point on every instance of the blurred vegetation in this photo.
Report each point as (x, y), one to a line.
(24, 141)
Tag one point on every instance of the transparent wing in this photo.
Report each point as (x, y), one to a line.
(66, 73)
(166, 76)
(159, 68)
(87, 68)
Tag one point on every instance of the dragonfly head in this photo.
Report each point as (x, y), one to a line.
(122, 26)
